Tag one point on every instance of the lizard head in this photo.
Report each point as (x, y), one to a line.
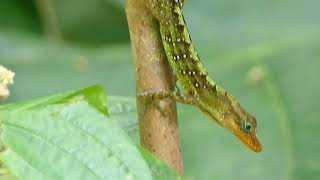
(244, 126)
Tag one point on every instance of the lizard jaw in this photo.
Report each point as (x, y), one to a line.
(250, 140)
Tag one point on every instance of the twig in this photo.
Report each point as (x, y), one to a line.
(157, 119)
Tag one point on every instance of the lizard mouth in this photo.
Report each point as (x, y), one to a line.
(251, 141)
(253, 144)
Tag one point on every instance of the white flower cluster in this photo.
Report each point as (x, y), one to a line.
(6, 78)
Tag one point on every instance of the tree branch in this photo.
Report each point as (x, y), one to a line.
(157, 119)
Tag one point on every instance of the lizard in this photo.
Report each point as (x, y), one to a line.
(199, 89)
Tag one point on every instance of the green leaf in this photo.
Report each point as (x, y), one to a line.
(123, 111)
(72, 141)
(159, 169)
(94, 95)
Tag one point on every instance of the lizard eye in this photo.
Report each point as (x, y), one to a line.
(247, 127)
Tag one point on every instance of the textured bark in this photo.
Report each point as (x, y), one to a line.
(157, 118)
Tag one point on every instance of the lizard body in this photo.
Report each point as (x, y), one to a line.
(199, 88)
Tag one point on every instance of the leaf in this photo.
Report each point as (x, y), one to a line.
(123, 111)
(73, 140)
(160, 170)
(93, 94)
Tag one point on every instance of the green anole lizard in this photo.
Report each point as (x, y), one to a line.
(199, 89)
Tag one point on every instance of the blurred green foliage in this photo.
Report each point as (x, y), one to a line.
(279, 39)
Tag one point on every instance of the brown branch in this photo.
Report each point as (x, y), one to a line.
(157, 119)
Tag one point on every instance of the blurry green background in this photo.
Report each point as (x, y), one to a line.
(266, 53)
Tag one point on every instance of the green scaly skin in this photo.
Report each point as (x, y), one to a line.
(199, 89)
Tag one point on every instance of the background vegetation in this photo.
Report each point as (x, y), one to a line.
(279, 40)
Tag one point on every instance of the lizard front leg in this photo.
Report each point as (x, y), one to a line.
(162, 94)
